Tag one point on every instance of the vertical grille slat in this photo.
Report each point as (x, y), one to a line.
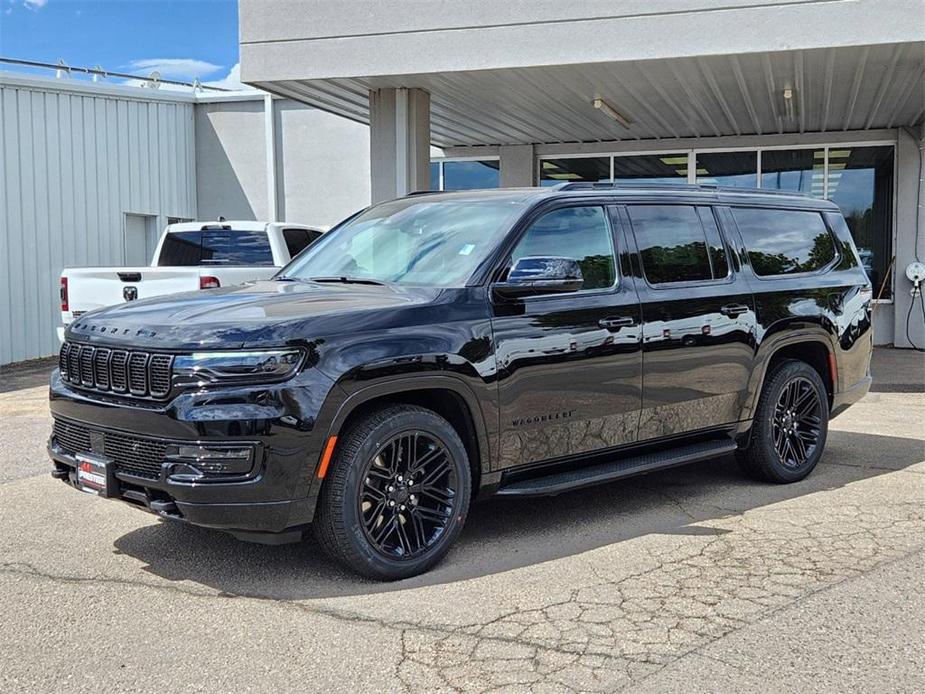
(62, 361)
(101, 368)
(138, 373)
(117, 370)
(120, 371)
(159, 374)
(86, 366)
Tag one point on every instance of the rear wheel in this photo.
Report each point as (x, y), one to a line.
(790, 425)
(396, 495)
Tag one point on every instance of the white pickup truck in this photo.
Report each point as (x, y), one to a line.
(188, 256)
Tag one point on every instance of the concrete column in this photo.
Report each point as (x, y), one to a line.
(399, 142)
(518, 167)
(910, 189)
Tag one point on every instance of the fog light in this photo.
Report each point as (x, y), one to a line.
(211, 461)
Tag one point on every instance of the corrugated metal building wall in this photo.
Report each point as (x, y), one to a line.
(74, 160)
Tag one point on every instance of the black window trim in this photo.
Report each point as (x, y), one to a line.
(526, 221)
(836, 258)
(730, 276)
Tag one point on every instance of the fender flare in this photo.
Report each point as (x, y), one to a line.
(410, 384)
(766, 351)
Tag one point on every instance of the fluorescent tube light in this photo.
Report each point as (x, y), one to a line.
(610, 111)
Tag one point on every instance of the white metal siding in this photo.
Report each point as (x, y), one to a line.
(71, 166)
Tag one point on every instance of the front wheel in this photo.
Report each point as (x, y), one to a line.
(396, 494)
(790, 425)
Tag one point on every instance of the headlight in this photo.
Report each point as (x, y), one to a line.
(237, 367)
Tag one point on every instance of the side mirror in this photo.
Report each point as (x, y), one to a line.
(540, 275)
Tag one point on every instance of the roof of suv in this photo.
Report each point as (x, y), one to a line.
(624, 191)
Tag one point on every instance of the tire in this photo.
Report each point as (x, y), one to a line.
(362, 498)
(785, 448)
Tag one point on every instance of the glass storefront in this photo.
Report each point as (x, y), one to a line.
(570, 170)
(798, 170)
(737, 169)
(861, 184)
(467, 174)
(651, 168)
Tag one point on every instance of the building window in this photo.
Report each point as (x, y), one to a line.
(651, 168)
(468, 174)
(861, 184)
(797, 170)
(737, 169)
(572, 170)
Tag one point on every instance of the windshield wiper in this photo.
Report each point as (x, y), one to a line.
(349, 280)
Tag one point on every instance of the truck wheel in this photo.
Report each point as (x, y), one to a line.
(790, 425)
(396, 493)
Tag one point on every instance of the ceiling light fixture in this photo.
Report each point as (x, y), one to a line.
(606, 108)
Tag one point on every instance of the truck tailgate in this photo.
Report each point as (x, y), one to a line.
(92, 288)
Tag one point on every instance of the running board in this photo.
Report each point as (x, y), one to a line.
(559, 482)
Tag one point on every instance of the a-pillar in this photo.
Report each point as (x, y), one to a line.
(399, 142)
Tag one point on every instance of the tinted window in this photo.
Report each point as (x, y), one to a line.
(672, 243)
(296, 240)
(181, 248)
(783, 242)
(236, 248)
(581, 233)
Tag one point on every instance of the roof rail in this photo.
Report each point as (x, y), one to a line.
(422, 192)
(705, 187)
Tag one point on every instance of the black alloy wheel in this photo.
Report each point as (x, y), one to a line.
(790, 425)
(797, 422)
(408, 496)
(396, 493)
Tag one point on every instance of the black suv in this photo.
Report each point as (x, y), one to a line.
(445, 347)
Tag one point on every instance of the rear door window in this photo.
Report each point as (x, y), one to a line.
(678, 243)
(784, 242)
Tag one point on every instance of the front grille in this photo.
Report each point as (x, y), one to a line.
(121, 371)
(134, 455)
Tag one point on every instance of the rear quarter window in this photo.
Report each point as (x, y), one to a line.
(785, 242)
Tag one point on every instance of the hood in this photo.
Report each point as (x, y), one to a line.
(267, 312)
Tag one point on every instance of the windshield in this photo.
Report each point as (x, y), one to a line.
(436, 243)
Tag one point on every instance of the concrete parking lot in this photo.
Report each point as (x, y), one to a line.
(693, 579)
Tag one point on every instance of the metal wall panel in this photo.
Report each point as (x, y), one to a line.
(72, 163)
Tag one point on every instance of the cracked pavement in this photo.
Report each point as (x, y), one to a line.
(692, 579)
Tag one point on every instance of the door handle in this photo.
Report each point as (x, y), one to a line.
(616, 323)
(734, 310)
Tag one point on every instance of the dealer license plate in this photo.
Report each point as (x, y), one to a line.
(93, 473)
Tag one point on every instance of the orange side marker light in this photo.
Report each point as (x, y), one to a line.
(326, 457)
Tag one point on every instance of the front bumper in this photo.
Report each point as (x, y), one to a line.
(277, 496)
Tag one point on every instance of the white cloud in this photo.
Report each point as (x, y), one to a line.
(180, 68)
(34, 4)
(230, 81)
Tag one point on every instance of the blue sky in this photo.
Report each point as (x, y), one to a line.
(182, 39)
